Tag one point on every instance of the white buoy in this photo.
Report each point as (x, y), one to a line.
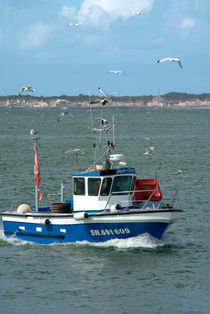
(24, 208)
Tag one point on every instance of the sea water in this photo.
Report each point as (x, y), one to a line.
(137, 275)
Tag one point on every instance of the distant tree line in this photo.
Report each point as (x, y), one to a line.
(172, 97)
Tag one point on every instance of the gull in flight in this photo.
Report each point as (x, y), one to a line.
(63, 115)
(99, 101)
(106, 96)
(26, 89)
(178, 172)
(172, 60)
(116, 71)
(74, 24)
(105, 100)
(139, 12)
(149, 151)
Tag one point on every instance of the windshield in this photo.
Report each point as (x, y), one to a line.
(122, 184)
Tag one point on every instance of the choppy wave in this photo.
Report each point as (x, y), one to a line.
(10, 240)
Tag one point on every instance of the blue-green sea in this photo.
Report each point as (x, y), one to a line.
(137, 275)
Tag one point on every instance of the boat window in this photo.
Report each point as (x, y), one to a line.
(93, 186)
(79, 186)
(106, 185)
(121, 184)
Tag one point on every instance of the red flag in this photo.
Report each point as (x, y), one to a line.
(36, 165)
(40, 196)
(37, 169)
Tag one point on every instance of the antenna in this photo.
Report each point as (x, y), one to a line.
(76, 153)
(113, 129)
(91, 114)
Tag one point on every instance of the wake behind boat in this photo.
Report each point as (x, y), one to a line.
(109, 201)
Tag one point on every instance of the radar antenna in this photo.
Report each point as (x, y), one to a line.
(76, 153)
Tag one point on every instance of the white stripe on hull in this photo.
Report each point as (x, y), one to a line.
(164, 217)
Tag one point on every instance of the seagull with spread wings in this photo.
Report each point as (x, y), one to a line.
(63, 115)
(139, 12)
(26, 89)
(171, 60)
(106, 96)
(105, 100)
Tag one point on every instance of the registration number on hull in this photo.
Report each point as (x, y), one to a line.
(104, 232)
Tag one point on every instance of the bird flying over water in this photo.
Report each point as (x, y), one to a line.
(99, 101)
(172, 60)
(105, 100)
(149, 151)
(26, 89)
(63, 115)
(178, 172)
(106, 96)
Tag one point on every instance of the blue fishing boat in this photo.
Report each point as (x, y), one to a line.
(109, 201)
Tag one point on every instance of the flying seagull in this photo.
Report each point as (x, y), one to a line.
(26, 89)
(139, 12)
(115, 71)
(63, 115)
(99, 101)
(178, 172)
(106, 96)
(74, 24)
(149, 151)
(172, 60)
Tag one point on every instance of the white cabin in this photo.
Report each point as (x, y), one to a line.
(99, 190)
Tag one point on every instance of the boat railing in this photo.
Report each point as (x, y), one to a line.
(171, 200)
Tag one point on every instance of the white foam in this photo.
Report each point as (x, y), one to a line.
(141, 241)
(12, 239)
(146, 241)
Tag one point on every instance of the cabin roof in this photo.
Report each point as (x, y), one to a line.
(101, 173)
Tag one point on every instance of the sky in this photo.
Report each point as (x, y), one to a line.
(41, 46)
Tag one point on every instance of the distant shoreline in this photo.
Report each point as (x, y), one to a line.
(167, 101)
(109, 107)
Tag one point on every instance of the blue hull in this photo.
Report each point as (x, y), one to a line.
(91, 232)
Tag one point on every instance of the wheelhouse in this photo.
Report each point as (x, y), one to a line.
(99, 190)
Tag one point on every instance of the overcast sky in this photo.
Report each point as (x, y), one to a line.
(39, 48)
